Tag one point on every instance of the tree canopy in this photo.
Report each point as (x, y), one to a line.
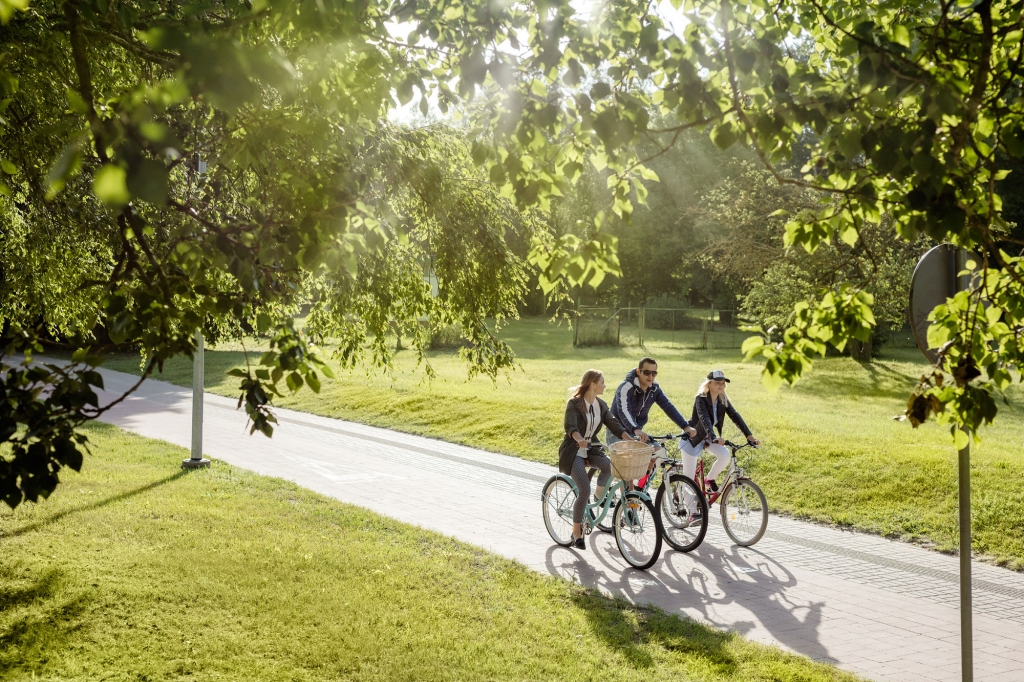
(173, 166)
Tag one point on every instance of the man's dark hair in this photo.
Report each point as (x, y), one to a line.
(645, 361)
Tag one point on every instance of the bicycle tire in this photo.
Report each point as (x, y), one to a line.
(680, 533)
(557, 499)
(638, 538)
(744, 523)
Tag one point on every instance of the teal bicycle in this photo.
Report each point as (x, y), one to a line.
(634, 522)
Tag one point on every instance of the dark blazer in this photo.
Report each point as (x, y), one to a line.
(576, 420)
(701, 420)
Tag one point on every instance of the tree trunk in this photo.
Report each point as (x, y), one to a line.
(861, 352)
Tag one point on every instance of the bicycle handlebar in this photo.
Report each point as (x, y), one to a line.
(735, 447)
(666, 437)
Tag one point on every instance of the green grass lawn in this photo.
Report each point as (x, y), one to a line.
(136, 570)
(833, 452)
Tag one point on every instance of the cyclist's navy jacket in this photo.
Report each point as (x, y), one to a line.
(632, 405)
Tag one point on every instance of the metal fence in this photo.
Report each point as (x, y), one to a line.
(702, 328)
(706, 328)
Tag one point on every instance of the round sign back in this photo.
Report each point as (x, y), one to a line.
(935, 279)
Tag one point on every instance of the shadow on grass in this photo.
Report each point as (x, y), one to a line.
(53, 518)
(42, 588)
(28, 641)
(875, 379)
(632, 629)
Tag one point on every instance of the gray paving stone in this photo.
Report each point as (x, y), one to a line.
(884, 609)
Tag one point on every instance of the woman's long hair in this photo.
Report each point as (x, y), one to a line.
(705, 389)
(589, 377)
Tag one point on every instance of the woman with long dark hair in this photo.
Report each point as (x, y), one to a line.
(585, 413)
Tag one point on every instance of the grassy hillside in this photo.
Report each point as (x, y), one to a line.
(136, 570)
(833, 452)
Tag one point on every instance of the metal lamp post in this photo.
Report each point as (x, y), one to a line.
(197, 461)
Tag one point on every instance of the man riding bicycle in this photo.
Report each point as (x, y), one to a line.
(634, 397)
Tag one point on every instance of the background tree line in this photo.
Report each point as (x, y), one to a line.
(711, 235)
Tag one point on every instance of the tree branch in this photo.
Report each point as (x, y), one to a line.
(80, 57)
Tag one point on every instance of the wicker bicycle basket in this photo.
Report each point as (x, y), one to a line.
(630, 459)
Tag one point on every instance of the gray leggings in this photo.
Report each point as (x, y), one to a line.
(598, 460)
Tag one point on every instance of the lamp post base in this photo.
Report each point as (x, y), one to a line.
(195, 463)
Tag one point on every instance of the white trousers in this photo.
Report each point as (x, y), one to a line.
(692, 452)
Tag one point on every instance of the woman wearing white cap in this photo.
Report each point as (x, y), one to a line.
(709, 410)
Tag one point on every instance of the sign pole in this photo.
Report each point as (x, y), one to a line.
(959, 258)
(937, 278)
(966, 621)
(197, 461)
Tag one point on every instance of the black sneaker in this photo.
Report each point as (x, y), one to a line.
(578, 543)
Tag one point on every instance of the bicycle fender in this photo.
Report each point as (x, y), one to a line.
(638, 493)
(565, 478)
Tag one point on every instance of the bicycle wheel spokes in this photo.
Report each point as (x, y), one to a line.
(744, 512)
(637, 531)
(557, 502)
(684, 513)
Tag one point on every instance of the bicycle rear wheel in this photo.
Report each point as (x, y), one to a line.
(557, 500)
(684, 512)
(637, 531)
(744, 512)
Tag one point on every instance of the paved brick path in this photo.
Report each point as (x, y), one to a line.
(883, 609)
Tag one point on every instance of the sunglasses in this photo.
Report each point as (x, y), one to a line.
(649, 372)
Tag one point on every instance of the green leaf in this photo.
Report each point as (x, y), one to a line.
(66, 165)
(901, 35)
(600, 90)
(9, 7)
(752, 345)
(724, 136)
(9, 167)
(771, 380)
(148, 181)
(849, 235)
(109, 186)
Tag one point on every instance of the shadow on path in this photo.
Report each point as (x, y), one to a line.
(704, 581)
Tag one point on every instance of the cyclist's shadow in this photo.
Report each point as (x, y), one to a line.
(751, 579)
(624, 590)
(613, 595)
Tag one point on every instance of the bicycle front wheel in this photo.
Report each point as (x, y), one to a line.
(637, 531)
(557, 502)
(684, 512)
(744, 512)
